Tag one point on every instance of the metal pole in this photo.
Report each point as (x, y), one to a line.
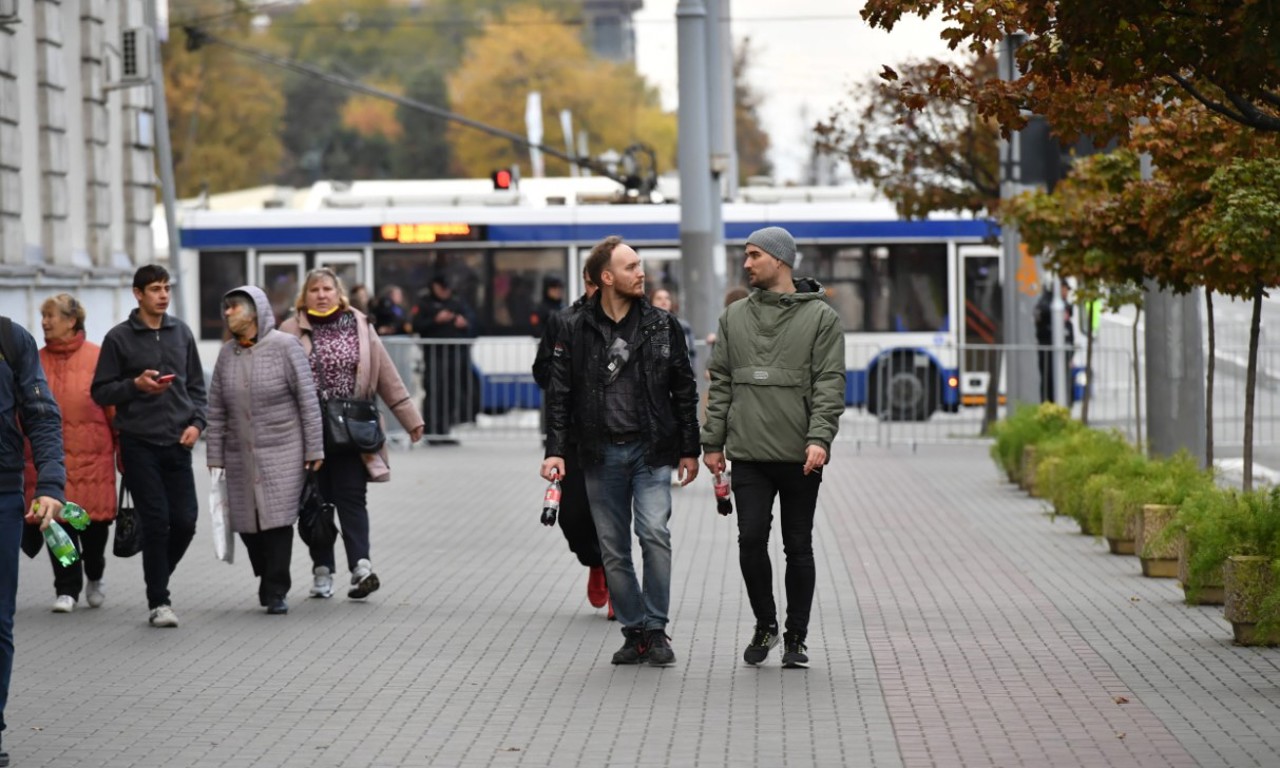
(721, 154)
(165, 160)
(724, 137)
(696, 243)
(1019, 274)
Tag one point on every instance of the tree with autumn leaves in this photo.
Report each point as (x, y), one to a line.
(941, 156)
(1096, 67)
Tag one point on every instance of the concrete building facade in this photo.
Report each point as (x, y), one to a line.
(77, 162)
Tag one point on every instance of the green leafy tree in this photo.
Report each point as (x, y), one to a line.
(941, 157)
(1245, 223)
(424, 153)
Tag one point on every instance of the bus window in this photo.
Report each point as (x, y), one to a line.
(915, 286)
(220, 271)
(842, 269)
(516, 287)
(412, 270)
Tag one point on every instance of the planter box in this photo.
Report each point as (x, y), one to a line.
(1158, 562)
(1119, 525)
(1248, 579)
(1209, 593)
(1028, 469)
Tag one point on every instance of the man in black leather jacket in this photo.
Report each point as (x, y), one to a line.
(622, 390)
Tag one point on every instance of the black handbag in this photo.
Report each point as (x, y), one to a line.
(315, 515)
(351, 426)
(128, 539)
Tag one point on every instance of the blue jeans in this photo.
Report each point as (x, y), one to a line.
(11, 512)
(164, 493)
(621, 482)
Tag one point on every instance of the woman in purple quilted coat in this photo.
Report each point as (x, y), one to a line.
(265, 431)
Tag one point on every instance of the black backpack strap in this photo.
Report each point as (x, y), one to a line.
(8, 346)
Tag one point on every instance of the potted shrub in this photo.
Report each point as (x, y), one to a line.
(1215, 524)
(1159, 556)
(1252, 599)
(1165, 481)
(1166, 484)
(1250, 579)
(1082, 455)
(1209, 526)
(1027, 425)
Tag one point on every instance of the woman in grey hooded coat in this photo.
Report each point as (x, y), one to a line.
(265, 431)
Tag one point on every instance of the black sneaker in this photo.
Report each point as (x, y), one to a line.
(795, 654)
(762, 641)
(660, 653)
(634, 650)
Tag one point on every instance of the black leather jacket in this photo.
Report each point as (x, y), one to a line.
(575, 393)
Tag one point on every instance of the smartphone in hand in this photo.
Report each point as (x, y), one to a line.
(165, 378)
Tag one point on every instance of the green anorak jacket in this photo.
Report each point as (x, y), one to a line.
(777, 376)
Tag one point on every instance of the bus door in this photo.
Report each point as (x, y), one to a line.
(280, 277)
(347, 265)
(980, 331)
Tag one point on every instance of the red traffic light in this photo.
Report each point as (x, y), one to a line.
(501, 179)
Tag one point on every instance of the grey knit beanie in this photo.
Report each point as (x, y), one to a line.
(777, 242)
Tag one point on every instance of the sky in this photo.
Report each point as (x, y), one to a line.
(807, 54)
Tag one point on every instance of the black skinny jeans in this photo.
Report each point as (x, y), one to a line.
(92, 543)
(344, 483)
(164, 493)
(755, 484)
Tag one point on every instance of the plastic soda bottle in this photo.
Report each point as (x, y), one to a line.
(724, 502)
(60, 544)
(75, 515)
(551, 501)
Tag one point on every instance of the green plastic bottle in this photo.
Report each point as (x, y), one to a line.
(74, 514)
(60, 544)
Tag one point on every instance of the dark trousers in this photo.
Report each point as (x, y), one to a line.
(164, 494)
(755, 484)
(344, 483)
(575, 515)
(269, 553)
(92, 543)
(12, 508)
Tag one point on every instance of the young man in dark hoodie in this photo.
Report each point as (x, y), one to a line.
(774, 406)
(150, 371)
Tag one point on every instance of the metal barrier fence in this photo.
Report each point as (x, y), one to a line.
(484, 389)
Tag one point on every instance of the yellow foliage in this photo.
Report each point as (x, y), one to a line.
(532, 51)
(371, 116)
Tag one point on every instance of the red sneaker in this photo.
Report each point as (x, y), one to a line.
(597, 587)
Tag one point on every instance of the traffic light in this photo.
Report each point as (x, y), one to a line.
(501, 179)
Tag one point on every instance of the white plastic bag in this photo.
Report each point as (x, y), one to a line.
(223, 540)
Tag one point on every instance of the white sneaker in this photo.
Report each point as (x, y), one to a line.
(322, 584)
(163, 617)
(94, 594)
(64, 604)
(363, 580)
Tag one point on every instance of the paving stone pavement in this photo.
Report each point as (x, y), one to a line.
(955, 624)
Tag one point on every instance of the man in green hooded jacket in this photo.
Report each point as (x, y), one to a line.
(777, 393)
